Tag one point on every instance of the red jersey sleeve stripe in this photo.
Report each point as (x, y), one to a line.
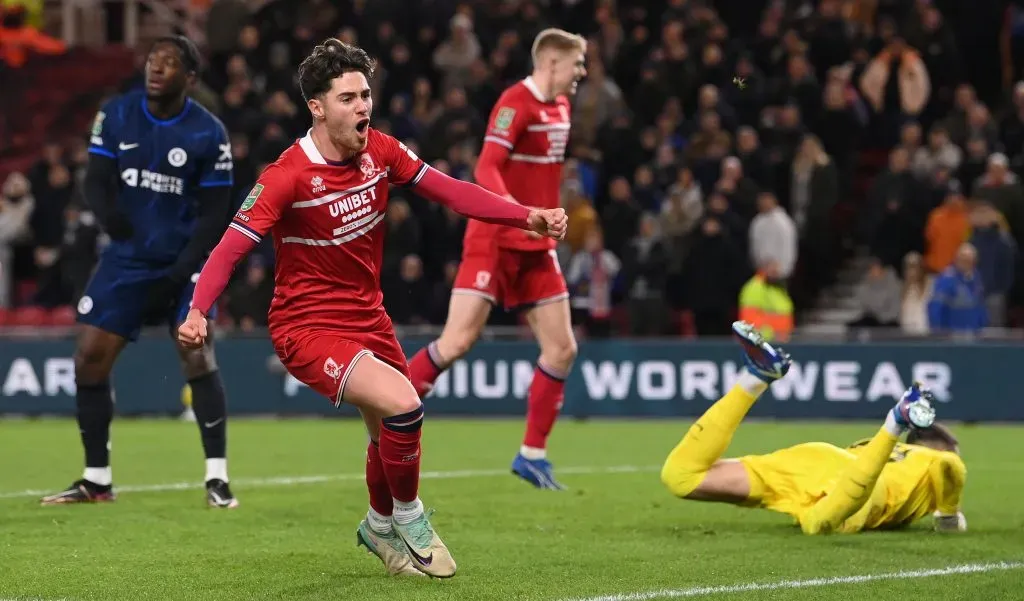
(247, 231)
(498, 141)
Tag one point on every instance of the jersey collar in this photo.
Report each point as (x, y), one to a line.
(172, 120)
(532, 86)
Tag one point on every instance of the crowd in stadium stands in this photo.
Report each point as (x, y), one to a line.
(715, 169)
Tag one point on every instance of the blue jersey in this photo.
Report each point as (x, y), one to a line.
(162, 166)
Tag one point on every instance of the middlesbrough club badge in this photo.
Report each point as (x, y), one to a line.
(366, 166)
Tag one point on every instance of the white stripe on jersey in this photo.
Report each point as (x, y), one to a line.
(549, 127)
(245, 231)
(498, 141)
(316, 202)
(336, 241)
(419, 174)
(533, 158)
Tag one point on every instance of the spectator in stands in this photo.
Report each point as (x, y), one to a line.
(581, 215)
(457, 52)
(957, 304)
(895, 182)
(940, 152)
(893, 105)
(591, 278)
(813, 193)
(249, 297)
(879, 297)
(915, 295)
(620, 217)
(597, 99)
(1001, 187)
(16, 204)
(712, 274)
(996, 257)
(739, 190)
(644, 271)
(946, 230)
(765, 303)
(18, 40)
(407, 293)
(65, 268)
(891, 242)
(773, 237)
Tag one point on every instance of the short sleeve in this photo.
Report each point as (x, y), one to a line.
(216, 167)
(406, 169)
(265, 203)
(106, 128)
(506, 123)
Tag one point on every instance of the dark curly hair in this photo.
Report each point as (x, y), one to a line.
(934, 433)
(332, 58)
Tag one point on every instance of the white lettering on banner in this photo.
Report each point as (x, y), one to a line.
(659, 380)
(608, 380)
(799, 382)
(841, 381)
(699, 377)
(58, 378)
(656, 380)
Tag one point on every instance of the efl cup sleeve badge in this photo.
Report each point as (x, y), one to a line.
(250, 200)
(97, 124)
(503, 120)
(366, 166)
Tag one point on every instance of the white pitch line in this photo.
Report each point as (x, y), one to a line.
(319, 479)
(707, 591)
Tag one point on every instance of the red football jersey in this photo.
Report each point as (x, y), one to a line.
(328, 236)
(535, 132)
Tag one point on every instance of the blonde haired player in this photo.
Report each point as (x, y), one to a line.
(879, 483)
(521, 159)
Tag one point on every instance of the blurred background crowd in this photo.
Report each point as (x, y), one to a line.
(825, 165)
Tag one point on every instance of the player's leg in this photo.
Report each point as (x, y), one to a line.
(343, 370)
(854, 486)
(694, 469)
(199, 366)
(371, 384)
(476, 289)
(109, 315)
(552, 326)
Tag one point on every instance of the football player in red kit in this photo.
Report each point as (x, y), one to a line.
(522, 160)
(325, 199)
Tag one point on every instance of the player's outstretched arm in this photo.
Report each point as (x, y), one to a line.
(475, 202)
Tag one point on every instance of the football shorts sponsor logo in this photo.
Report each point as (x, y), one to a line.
(250, 200)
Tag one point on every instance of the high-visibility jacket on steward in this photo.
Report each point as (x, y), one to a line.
(767, 307)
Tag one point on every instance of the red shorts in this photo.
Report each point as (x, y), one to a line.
(511, 278)
(323, 360)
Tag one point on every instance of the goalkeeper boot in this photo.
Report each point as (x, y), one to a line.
(428, 552)
(915, 408)
(762, 359)
(81, 491)
(388, 548)
(537, 472)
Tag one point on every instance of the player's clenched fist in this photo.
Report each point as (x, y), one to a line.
(192, 333)
(551, 223)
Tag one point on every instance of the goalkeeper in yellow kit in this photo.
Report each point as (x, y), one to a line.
(878, 483)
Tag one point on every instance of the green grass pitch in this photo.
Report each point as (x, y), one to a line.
(615, 534)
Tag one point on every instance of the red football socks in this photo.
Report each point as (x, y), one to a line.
(377, 482)
(424, 369)
(400, 453)
(547, 391)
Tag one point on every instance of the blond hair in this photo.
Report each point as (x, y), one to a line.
(557, 39)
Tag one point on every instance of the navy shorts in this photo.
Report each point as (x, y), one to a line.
(115, 299)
